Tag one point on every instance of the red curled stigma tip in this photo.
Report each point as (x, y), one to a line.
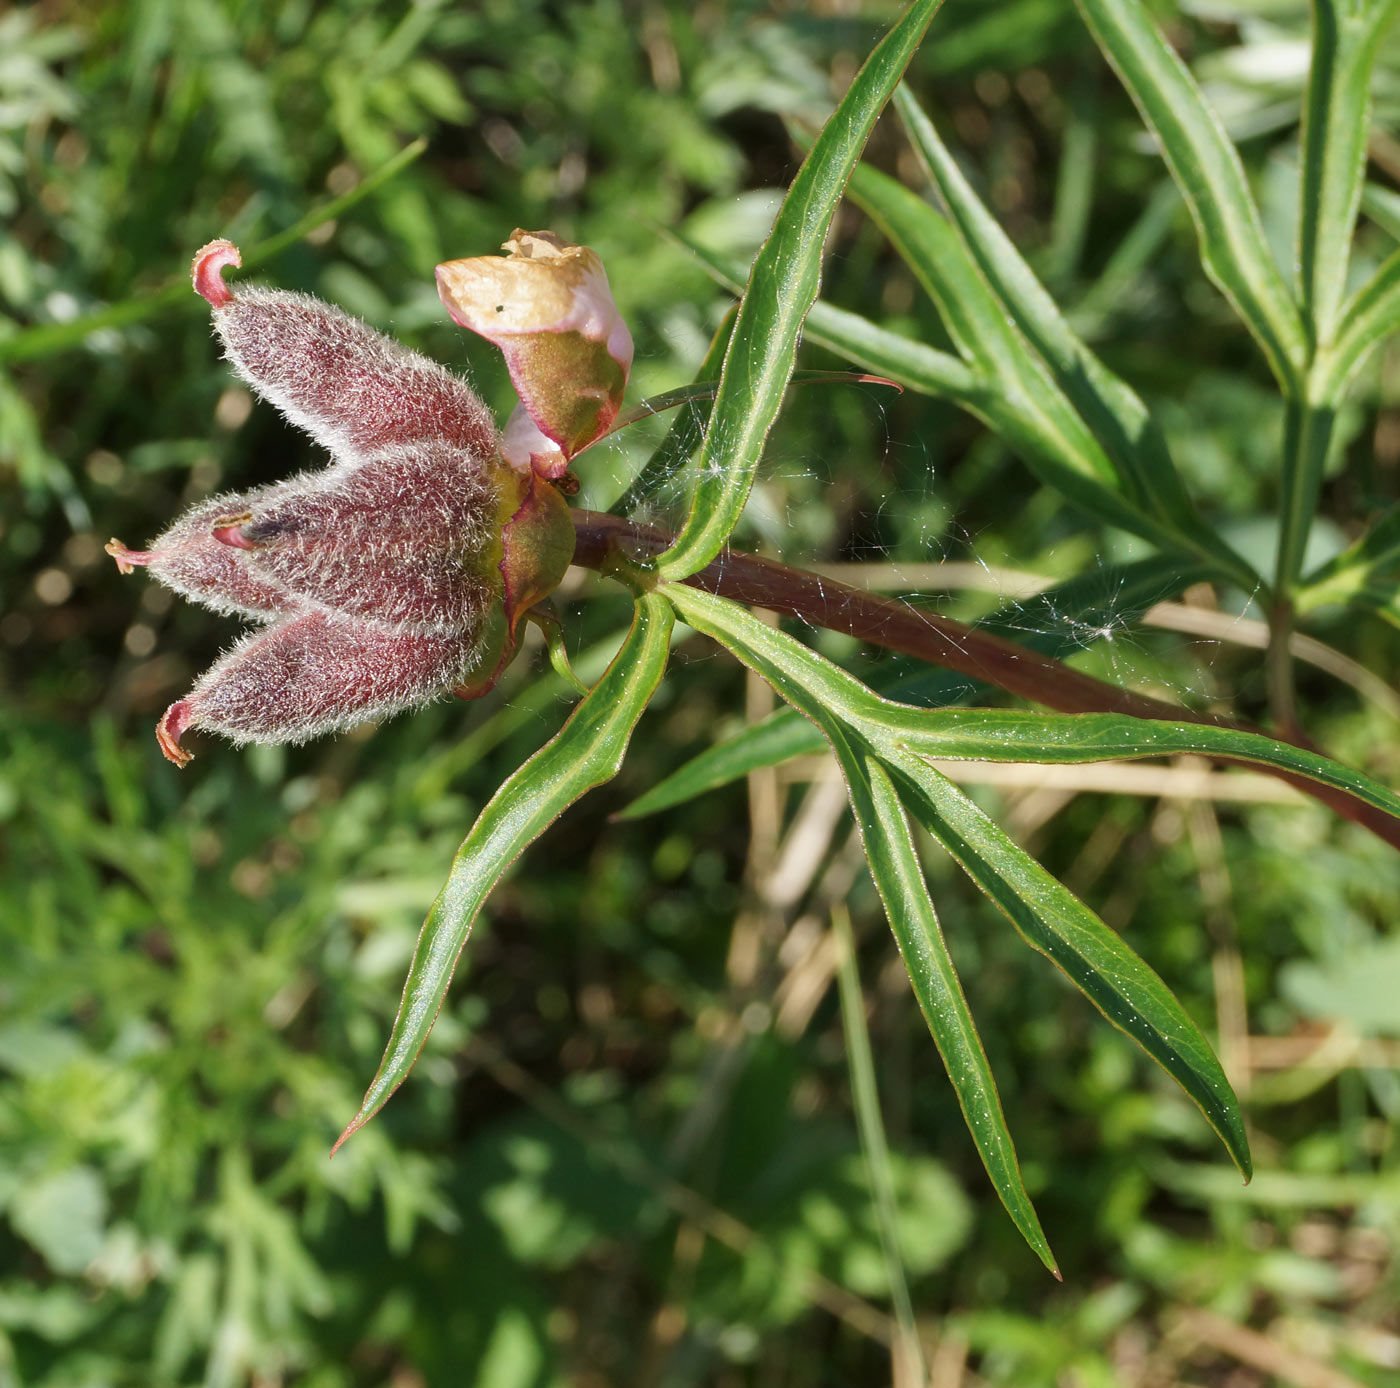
(128, 560)
(171, 728)
(207, 271)
(233, 536)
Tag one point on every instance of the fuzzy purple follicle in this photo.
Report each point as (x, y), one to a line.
(384, 579)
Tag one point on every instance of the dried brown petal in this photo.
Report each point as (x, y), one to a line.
(548, 306)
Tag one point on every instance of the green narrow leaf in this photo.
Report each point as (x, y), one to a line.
(1046, 913)
(1112, 411)
(702, 392)
(1069, 617)
(1348, 573)
(778, 738)
(782, 286)
(899, 878)
(1332, 149)
(1108, 406)
(1382, 206)
(586, 752)
(895, 868)
(913, 364)
(1014, 735)
(1208, 171)
(1027, 407)
(978, 323)
(1332, 154)
(1054, 921)
(1371, 315)
(1011, 735)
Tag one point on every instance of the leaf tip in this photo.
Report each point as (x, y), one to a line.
(1241, 1155)
(354, 1126)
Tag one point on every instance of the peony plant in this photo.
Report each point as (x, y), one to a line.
(403, 569)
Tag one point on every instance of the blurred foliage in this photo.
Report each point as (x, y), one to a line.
(628, 1155)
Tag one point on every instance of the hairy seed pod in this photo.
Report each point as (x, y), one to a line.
(316, 674)
(349, 387)
(395, 574)
(190, 559)
(400, 540)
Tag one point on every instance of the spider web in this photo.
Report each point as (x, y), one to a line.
(937, 560)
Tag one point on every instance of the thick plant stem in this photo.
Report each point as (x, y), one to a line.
(1307, 434)
(1283, 702)
(610, 543)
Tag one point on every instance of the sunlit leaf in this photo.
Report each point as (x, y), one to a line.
(1054, 921)
(895, 868)
(894, 865)
(1007, 735)
(1208, 171)
(1046, 913)
(1336, 126)
(782, 287)
(1110, 409)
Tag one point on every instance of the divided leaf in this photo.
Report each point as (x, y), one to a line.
(1047, 914)
(1051, 919)
(894, 865)
(1111, 409)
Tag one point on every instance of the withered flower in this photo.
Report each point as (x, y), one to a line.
(548, 307)
(395, 574)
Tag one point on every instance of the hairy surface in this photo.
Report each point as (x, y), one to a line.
(352, 389)
(188, 558)
(373, 577)
(394, 541)
(319, 673)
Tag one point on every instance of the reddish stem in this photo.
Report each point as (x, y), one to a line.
(603, 540)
